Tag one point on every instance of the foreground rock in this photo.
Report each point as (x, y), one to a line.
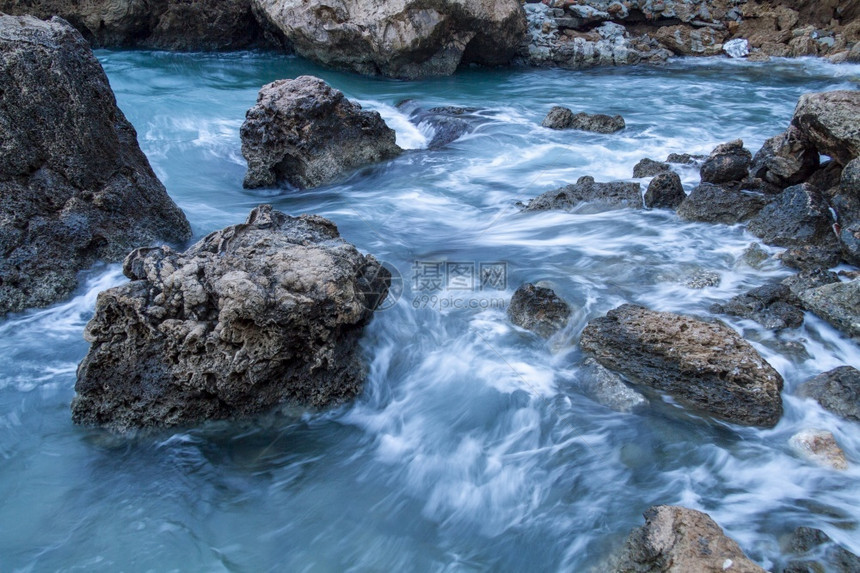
(680, 540)
(405, 39)
(665, 191)
(254, 315)
(538, 309)
(587, 196)
(710, 203)
(773, 306)
(727, 163)
(837, 391)
(563, 118)
(830, 123)
(798, 216)
(837, 303)
(819, 447)
(74, 185)
(705, 365)
(306, 133)
(813, 551)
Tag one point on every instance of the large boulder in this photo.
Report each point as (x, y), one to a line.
(680, 540)
(785, 160)
(837, 390)
(400, 38)
(846, 204)
(830, 123)
(74, 185)
(252, 316)
(728, 162)
(798, 216)
(837, 303)
(538, 309)
(587, 196)
(709, 203)
(705, 365)
(306, 133)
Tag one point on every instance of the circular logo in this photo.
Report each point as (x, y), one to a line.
(382, 285)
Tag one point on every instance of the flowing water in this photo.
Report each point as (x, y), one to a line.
(474, 446)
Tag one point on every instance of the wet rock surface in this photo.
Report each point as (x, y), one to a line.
(563, 118)
(587, 196)
(607, 388)
(837, 391)
(306, 133)
(819, 447)
(255, 315)
(705, 365)
(799, 215)
(837, 303)
(710, 203)
(665, 191)
(773, 306)
(813, 551)
(811, 257)
(785, 160)
(829, 122)
(727, 163)
(538, 309)
(649, 168)
(75, 187)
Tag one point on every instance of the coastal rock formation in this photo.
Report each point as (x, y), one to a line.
(400, 38)
(838, 303)
(306, 133)
(819, 447)
(837, 390)
(811, 257)
(447, 123)
(680, 540)
(705, 365)
(773, 306)
(74, 185)
(665, 191)
(538, 309)
(709, 203)
(586, 196)
(829, 122)
(649, 168)
(252, 316)
(813, 550)
(846, 204)
(785, 160)
(563, 118)
(798, 216)
(727, 163)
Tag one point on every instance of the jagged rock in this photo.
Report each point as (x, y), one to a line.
(447, 123)
(586, 196)
(713, 204)
(820, 447)
(685, 159)
(665, 192)
(830, 123)
(846, 204)
(705, 365)
(737, 48)
(773, 306)
(403, 38)
(563, 118)
(649, 168)
(727, 163)
(538, 309)
(785, 160)
(837, 303)
(679, 540)
(798, 216)
(806, 280)
(754, 255)
(684, 40)
(837, 390)
(74, 185)
(807, 258)
(306, 133)
(607, 388)
(815, 552)
(253, 316)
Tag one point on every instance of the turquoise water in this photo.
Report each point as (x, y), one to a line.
(474, 446)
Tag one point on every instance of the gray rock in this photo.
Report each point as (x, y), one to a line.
(405, 39)
(837, 391)
(685, 159)
(448, 123)
(705, 365)
(837, 303)
(74, 185)
(846, 205)
(306, 133)
(538, 309)
(815, 552)
(586, 196)
(563, 118)
(755, 255)
(806, 280)
(558, 118)
(810, 257)
(256, 315)
(830, 123)
(785, 160)
(850, 178)
(709, 203)
(819, 447)
(773, 306)
(607, 388)
(679, 540)
(798, 216)
(727, 163)
(665, 192)
(649, 168)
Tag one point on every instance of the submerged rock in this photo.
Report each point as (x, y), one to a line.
(705, 365)
(538, 309)
(607, 388)
(685, 159)
(447, 123)
(830, 123)
(586, 196)
(649, 168)
(798, 216)
(837, 391)
(306, 133)
(837, 303)
(820, 447)
(709, 203)
(563, 118)
(727, 163)
(680, 540)
(805, 280)
(253, 316)
(404, 39)
(74, 185)
(665, 192)
(814, 551)
(773, 306)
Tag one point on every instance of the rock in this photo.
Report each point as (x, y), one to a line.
(685, 159)
(820, 447)
(649, 168)
(785, 160)
(755, 255)
(701, 278)
(680, 540)
(773, 306)
(830, 123)
(665, 192)
(727, 163)
(713, 204)
(837, 303)
(806, 280)
(74, 185)
(798, 216)
(810, 257)
(404, 39)
(586, 196)
(705, 365)
(607, 388)
(255, 315)
(306, 133)
(686, 41)
(818, 552)
(837, 391)
(737, 48)
(563, 118)
(846, 204)
(538, 309)
(447, 124)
